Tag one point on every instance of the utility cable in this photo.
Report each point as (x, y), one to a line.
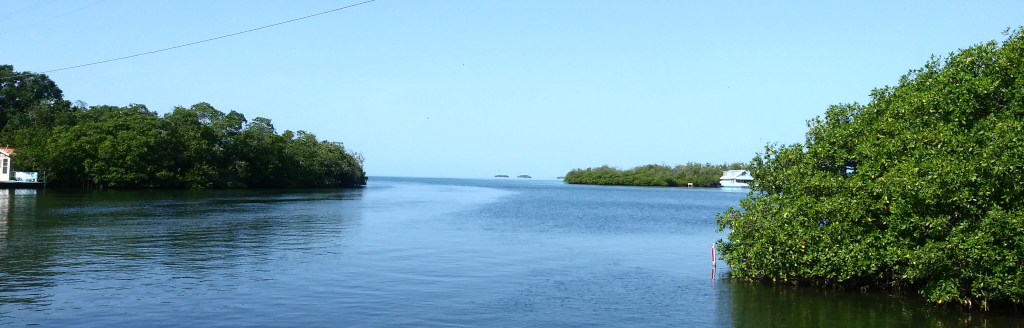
(25, 26)
(196, 42)
(27, 9)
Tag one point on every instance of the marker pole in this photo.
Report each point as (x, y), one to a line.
(714, 260)
(714, 263)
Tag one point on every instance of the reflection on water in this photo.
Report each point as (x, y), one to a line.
(25, 199)
(757, 306)
(5, 208)
(74, 238)
(13, 203)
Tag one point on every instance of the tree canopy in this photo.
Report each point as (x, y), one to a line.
(21, 91)
(133, 147)
(920, 188)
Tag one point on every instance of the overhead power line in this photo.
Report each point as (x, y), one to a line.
(201, 41)
(25, 26)
(27, 9)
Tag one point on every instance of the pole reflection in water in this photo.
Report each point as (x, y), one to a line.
(10, 200)
(16, 275)
(5, 209)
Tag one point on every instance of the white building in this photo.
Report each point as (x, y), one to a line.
(736, 179)
(5, 163)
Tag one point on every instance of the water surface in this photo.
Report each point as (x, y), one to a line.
(402, 252)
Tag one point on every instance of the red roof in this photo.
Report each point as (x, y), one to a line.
(7, 150)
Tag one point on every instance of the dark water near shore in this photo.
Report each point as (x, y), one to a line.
(402, 252)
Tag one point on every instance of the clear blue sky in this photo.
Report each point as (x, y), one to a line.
(468, 88)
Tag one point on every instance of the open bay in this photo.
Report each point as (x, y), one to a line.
(403, 252)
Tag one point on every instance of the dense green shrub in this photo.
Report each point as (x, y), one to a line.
(701, 175)
(133, 147)
(919, 188)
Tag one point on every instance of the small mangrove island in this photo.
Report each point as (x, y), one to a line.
(77, 145)
(918, 189)
(700, 175)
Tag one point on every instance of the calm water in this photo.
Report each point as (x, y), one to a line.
(402, 252)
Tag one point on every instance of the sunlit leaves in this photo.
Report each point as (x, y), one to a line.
(920, 187)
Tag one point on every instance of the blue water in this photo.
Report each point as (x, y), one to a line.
(401, 252)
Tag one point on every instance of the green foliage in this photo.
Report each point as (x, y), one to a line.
(700, 175)
(920, 188)
(196, 147)
(21, 91)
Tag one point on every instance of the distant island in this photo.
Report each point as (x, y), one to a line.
(700, 175)
(501, 176)
(524, 176)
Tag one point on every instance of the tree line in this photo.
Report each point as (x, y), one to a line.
(198, 147)
(700, 175)
(918, 189)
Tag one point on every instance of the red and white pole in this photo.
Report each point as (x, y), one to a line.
(714, 263)
(714, 260)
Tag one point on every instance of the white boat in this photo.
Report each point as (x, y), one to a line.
(735, 179)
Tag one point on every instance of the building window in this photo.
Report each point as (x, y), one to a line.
(5, 166)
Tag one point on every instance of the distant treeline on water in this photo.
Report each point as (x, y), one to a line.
(133, 147)
(700, 175)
